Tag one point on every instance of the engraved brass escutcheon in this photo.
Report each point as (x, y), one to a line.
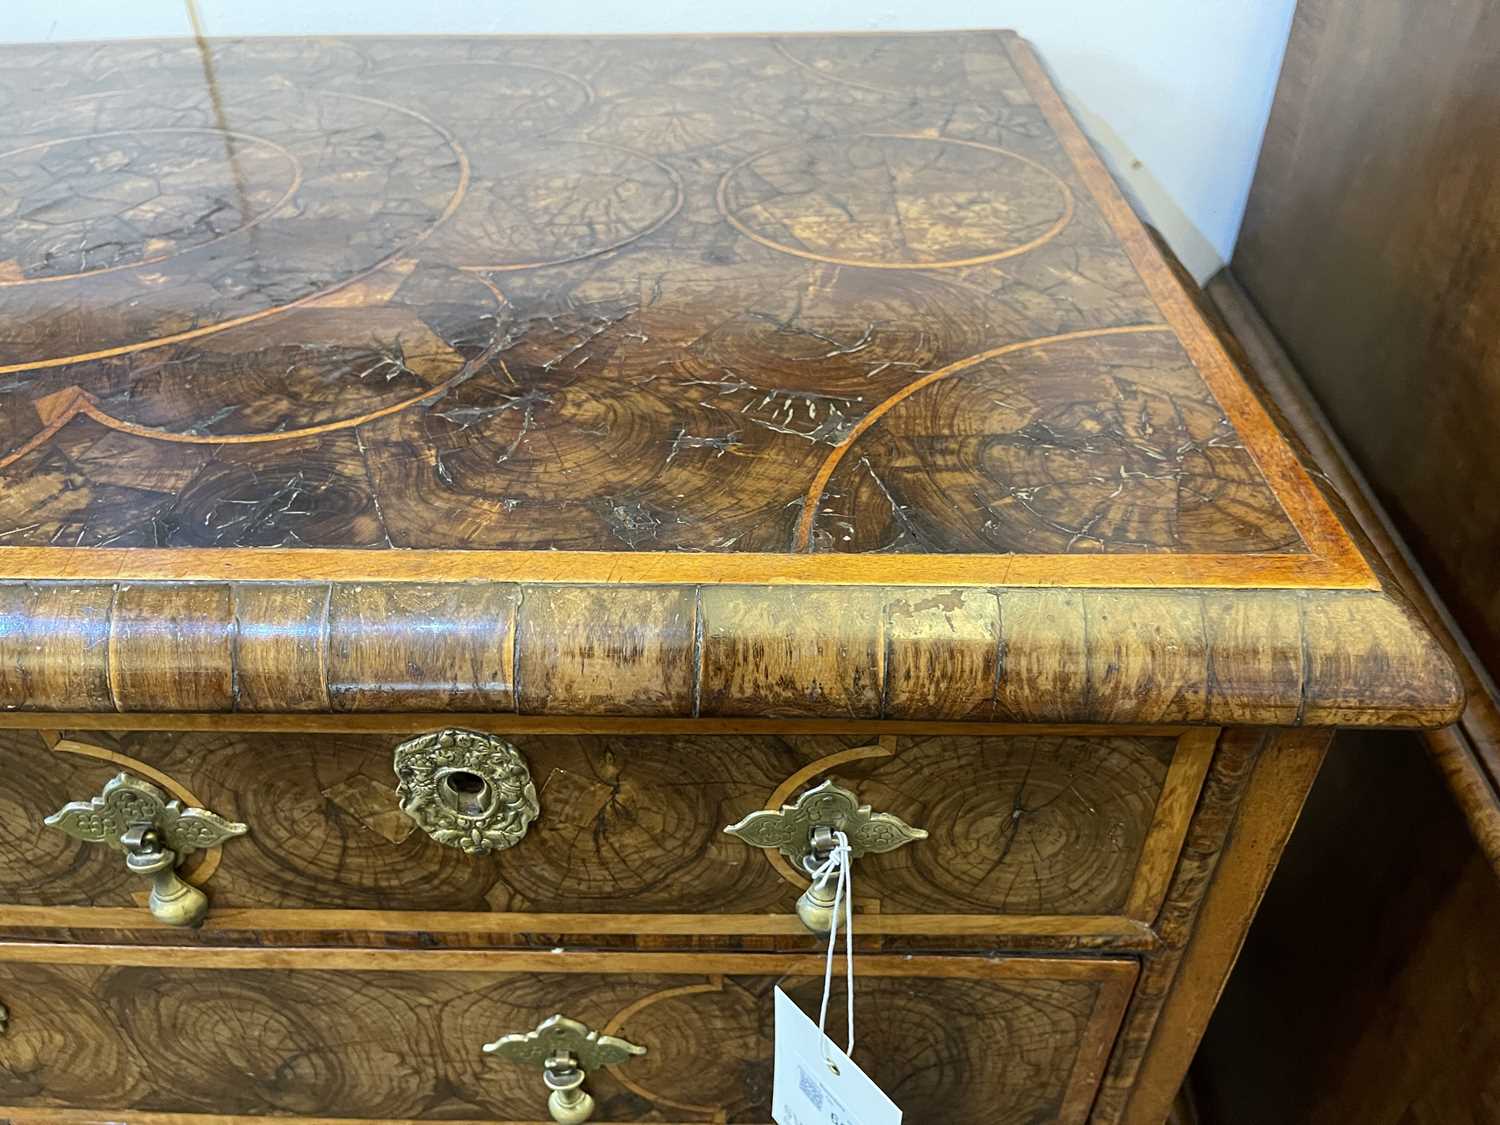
(566, 1050)
(466, 790)
(155, 833)
(804, 832)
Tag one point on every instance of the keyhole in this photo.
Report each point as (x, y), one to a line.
(466, 793)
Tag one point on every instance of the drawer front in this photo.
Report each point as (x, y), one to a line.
(396, 1035)
(1021, 826)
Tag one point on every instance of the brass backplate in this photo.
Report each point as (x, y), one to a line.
(466, 789)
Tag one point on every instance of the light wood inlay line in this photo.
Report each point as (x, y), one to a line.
(567, 961)
(1127, 933)
(316, 564)
(1299, 496)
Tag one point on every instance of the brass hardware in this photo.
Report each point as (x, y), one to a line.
(155, 833)
(566, 1050)
(466, 790)
(803, 832)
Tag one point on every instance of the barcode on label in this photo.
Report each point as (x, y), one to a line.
(810, 1088)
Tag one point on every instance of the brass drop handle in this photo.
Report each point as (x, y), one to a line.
(155, 833)
(566, 1050)
(804, 832)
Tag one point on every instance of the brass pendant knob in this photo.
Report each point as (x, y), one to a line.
(566, 1050)
(804, 832)
(155, 833)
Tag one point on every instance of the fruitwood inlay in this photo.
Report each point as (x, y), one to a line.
(307, 1041)
(1048, 827)
(658, 300)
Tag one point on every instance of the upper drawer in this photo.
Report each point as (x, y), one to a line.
(1029, 833)
(318, 1036)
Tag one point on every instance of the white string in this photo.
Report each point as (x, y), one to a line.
(843, 892)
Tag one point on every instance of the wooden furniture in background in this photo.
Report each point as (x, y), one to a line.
(1372, 949)
(694, 422)
(1371, 244)
(1370, 247)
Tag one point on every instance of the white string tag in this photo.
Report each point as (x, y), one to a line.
(813, 1082)
(838, 861)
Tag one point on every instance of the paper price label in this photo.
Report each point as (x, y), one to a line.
(805, 1089)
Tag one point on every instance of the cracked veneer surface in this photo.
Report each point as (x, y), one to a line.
(583, 295)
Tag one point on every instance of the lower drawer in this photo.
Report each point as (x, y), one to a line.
(147, 1035)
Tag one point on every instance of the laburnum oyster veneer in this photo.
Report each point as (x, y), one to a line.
(478, 516)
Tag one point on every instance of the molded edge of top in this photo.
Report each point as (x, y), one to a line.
(1244, 657)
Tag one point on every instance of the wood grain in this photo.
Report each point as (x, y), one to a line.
(1047, 827)
(1132, 674)
(1319, 526)
(417, 722)
(307, 1041)
(1369, 946)
(281, 646)
(1204, 938)
(75, 623)
(315, 564)
(1366, 654)
(170, 650)
(1210, 828)
(1468, 753)
(421, 648)
(774, 651)
(942, 655)
(631, 652)
(500, 348)
(1269, 627)
(1059, 656)
(1045, 933)
(1371, 243)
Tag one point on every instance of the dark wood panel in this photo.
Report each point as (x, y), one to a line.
(1026, 824)
(852, 294)
(1372, 244)
(1008, 1043)
(1368, 983)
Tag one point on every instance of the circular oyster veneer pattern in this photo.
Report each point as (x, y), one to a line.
(573, 201)
(895, 201)
(376, 180)
(75, 206)
(506, 101)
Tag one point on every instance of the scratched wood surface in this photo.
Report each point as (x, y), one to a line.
(850, 295)
(1321, 658)
(309, 1042)
(1022, 825)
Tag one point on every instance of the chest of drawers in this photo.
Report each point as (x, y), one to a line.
(478, 515)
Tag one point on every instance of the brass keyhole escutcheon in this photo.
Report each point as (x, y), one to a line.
(466, 793)
(466, 789)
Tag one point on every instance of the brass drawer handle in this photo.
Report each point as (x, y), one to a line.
(466, 790)
(566, 1050)
(155, 833)
(803, 832)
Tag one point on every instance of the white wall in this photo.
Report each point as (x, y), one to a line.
(1176, 92)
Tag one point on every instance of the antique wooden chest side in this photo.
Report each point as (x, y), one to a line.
(478, 515)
